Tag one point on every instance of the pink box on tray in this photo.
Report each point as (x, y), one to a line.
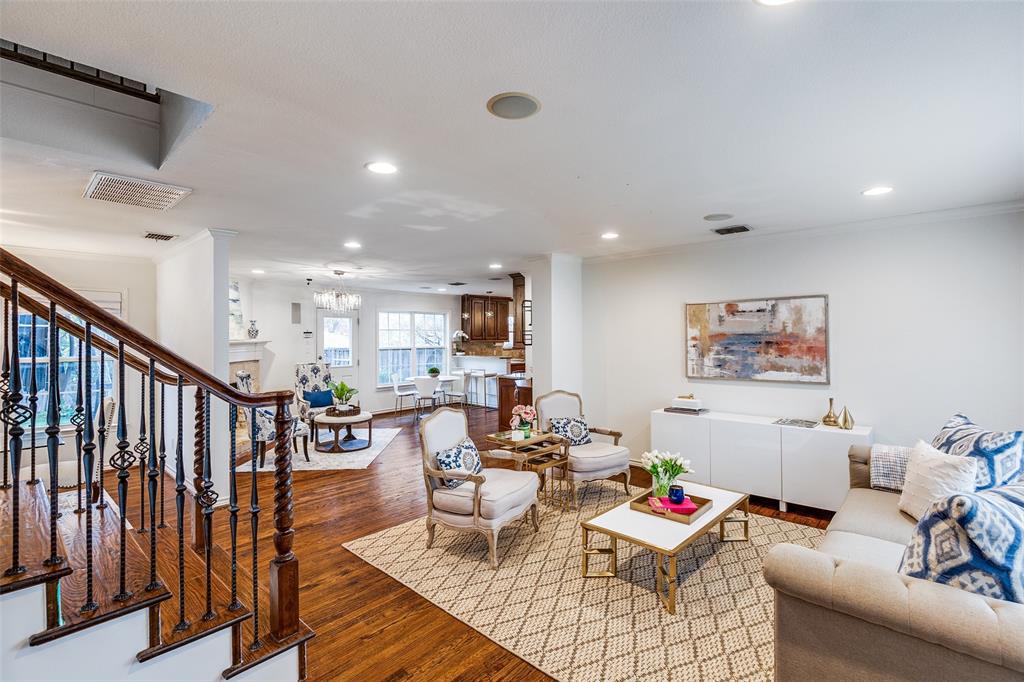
(662, 504)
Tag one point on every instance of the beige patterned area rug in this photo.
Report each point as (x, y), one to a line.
(539, 607)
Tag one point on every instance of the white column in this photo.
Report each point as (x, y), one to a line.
(557, 293)
(192, 320)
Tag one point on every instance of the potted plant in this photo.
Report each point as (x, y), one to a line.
(664, 468)
(434, 372)
(523, 417)
(343, 392)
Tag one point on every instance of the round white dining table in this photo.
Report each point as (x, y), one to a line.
(441, 378)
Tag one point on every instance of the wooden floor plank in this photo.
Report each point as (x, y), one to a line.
(34, 538)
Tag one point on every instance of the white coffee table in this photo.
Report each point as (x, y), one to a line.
(349, 443)
(663, 537)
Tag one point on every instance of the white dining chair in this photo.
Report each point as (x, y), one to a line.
(426, 390)
(400, 394)
(455, 390)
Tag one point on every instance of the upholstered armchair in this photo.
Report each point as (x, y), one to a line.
(485, 502)
(593, 461)
(311, 376)
(264, 430)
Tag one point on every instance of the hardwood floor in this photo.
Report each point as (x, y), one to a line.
(369, 626)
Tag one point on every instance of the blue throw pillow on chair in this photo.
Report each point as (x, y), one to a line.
(462, 457)
(1000, 454)
(318, 398)
(974, 541)
(573, 429)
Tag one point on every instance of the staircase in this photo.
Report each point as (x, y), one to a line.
(141, 569)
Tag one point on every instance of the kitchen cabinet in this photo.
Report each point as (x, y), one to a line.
(485, 318)
(512, 392)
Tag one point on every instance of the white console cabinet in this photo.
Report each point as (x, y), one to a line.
(751, 454)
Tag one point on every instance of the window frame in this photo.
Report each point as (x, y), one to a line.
(412, 313)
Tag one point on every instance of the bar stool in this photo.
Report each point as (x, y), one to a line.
(491, 375)
(475, 377)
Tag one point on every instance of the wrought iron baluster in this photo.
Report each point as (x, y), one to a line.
(33, 399)
(163, 454)
(141, 448)
(233, 508)
(14, 415)
(208, 498)
(122, 460)
(52, 430)
(5, 385)
(254, 524)
(78, 419)
(179, 504)
(154, 582)
(89, 463)
(101, 429)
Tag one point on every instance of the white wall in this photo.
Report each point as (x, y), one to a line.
(271, 308)
(925, 321)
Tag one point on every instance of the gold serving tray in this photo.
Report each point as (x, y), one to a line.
(640, 504)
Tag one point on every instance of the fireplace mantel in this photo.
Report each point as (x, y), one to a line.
(246, 350)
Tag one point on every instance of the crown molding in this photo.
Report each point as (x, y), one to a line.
(890, 222)
(214, 234)
(76, 255)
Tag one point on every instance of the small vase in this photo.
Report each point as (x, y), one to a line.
(830, 419)
(525, 430)
(253, 331)
(660, 483)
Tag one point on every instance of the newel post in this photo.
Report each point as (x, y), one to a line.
(284, 568)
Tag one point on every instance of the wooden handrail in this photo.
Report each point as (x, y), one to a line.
(54, 291)
(38, 309)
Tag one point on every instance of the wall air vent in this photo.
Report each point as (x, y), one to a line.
(134, 191)
(158, 237)
(732, 229)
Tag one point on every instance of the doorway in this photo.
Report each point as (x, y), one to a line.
(336, 335)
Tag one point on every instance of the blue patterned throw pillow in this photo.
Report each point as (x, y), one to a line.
(972, 541)
(462, 457)
(1000, 453)
(318, 398)
(573, 429)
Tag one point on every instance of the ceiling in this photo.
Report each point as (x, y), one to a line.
(652, 116)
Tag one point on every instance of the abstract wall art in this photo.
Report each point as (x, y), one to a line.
(765, 339)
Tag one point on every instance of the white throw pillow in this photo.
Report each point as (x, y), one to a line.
(934, 475)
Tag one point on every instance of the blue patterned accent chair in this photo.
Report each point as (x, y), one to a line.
(264, 430)
(311, 376)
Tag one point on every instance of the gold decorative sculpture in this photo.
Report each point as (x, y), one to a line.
(845, 419)
(830, 419)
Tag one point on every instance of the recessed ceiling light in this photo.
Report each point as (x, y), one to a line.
(353, 245)
(610, 235)
(717, 216)
(495, 266)
(513, 105)
(772, 3)
(441, 289)
(258, 272)
(382, 167)
(876, 191)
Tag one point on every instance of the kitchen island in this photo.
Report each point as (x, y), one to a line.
(513, 389)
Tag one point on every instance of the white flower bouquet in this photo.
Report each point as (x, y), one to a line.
(664, 468)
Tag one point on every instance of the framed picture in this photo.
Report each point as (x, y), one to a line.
(236, 326)
(763, 339)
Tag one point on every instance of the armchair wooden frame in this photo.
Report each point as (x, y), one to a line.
(430, 475)
(613, 434)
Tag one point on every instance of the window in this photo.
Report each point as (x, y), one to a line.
(337, 340)
(410, 343)
(67, 361)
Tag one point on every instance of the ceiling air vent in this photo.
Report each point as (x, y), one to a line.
(134, 191)
(456, 284)
(158, 237)
(732, 229)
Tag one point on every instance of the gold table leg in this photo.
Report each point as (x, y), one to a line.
(744, 520)
(665, 582)
(589, 551)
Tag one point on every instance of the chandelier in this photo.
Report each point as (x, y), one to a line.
(338, 300)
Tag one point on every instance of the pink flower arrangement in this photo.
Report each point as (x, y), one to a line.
(523, 416)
